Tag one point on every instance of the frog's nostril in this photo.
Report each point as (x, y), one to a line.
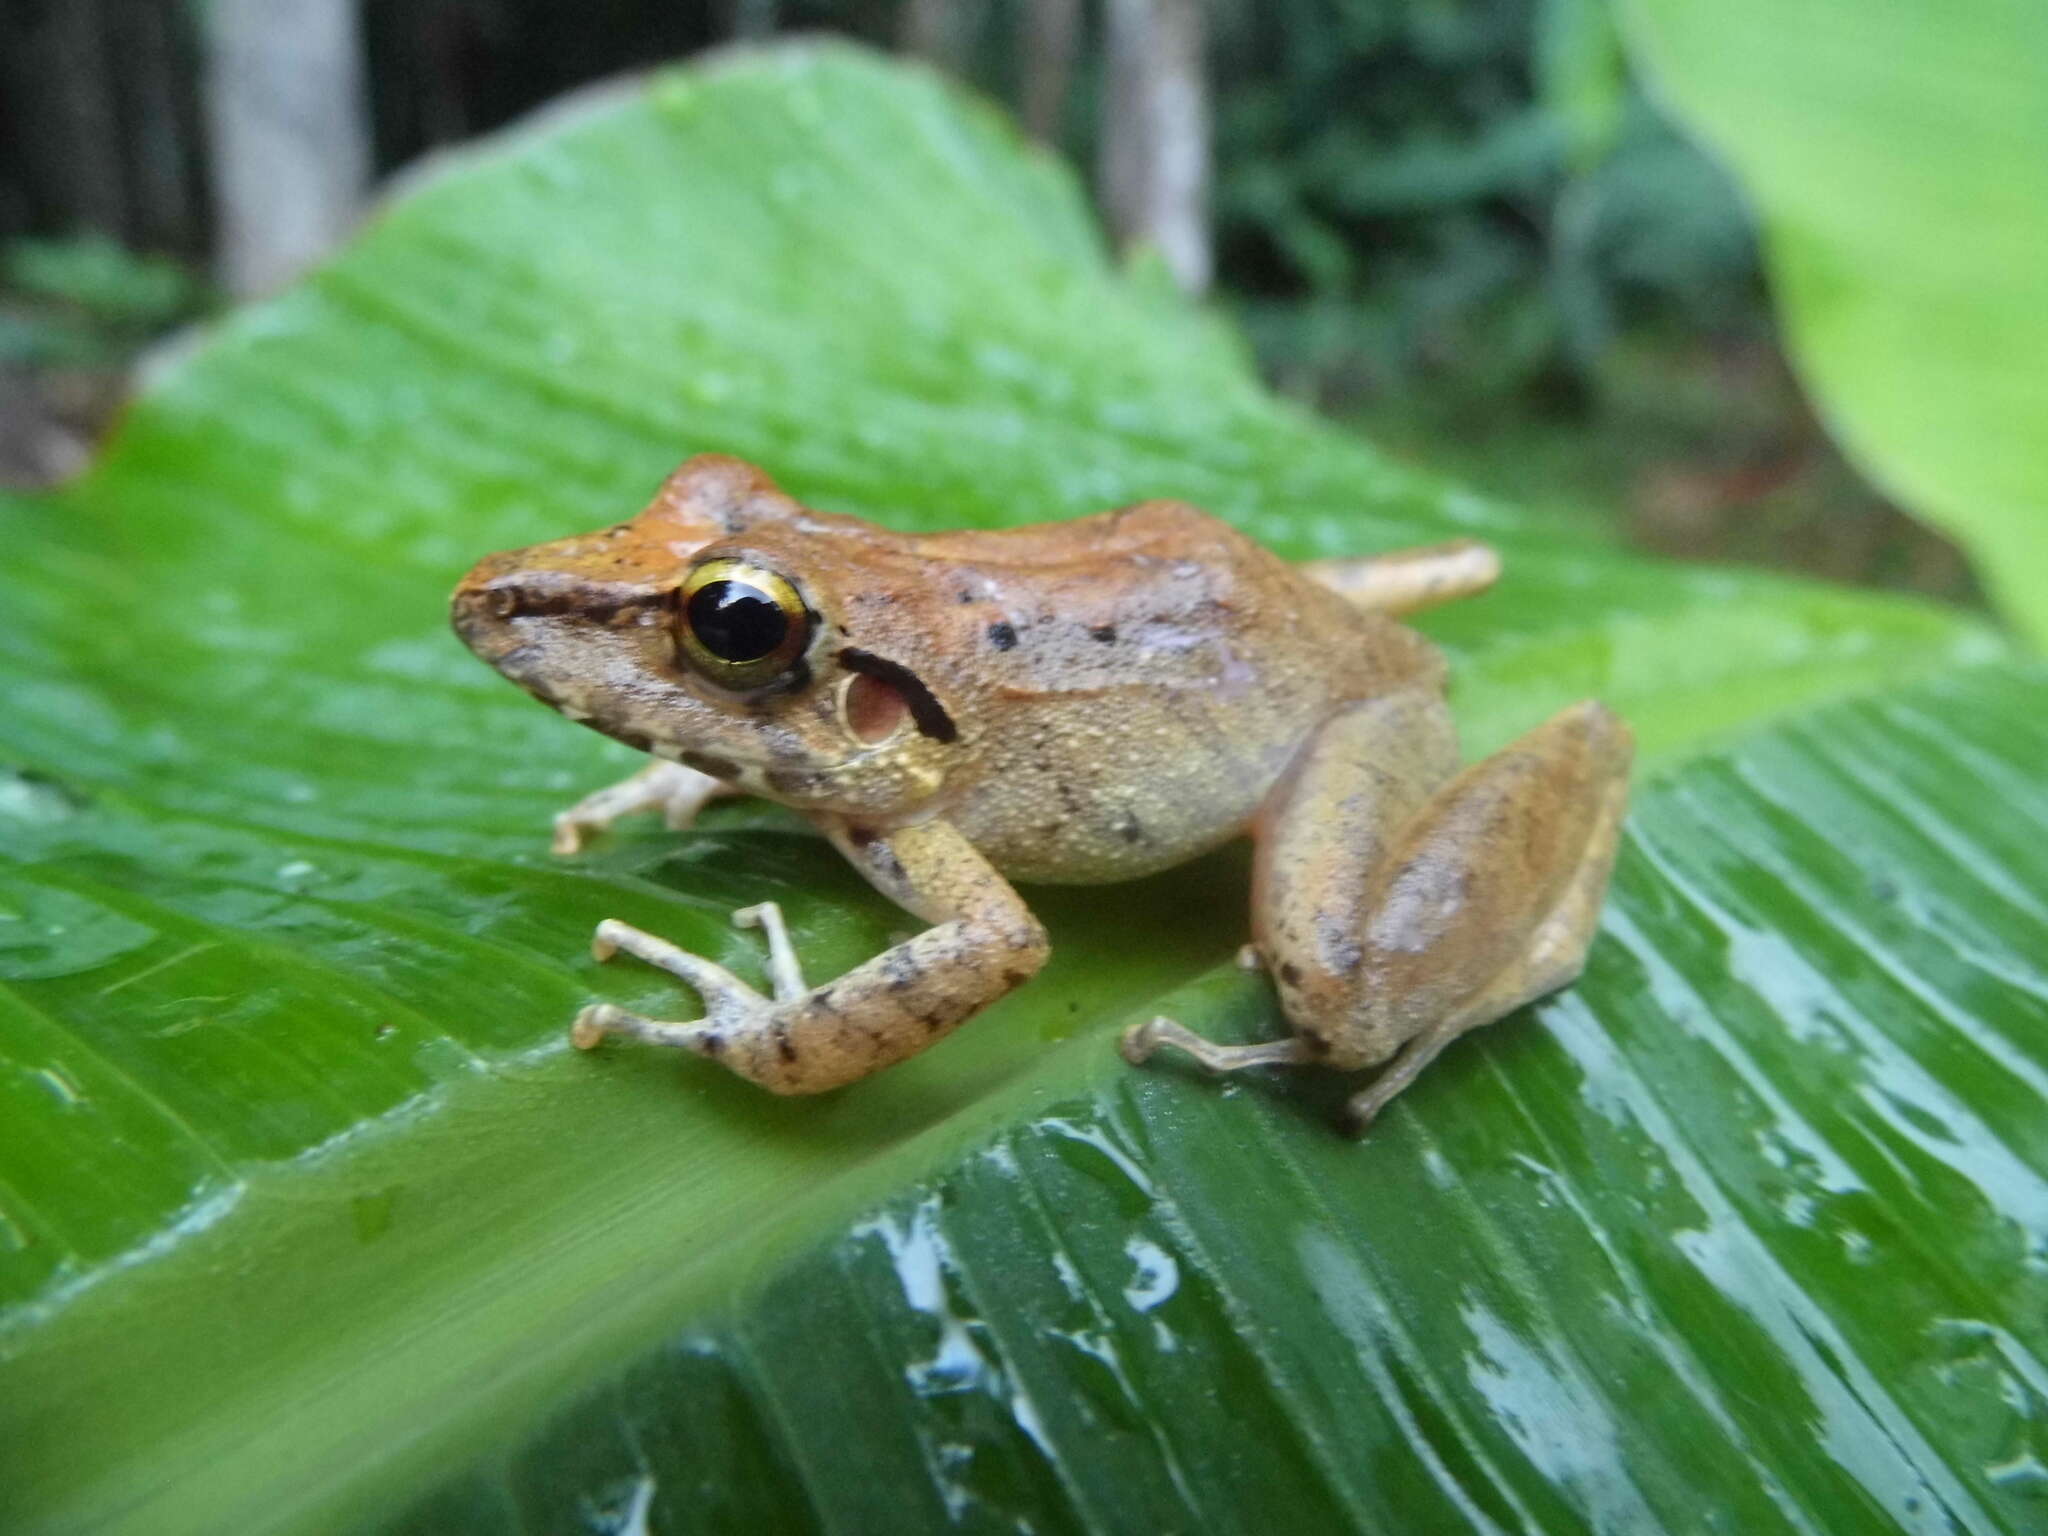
(480, 613)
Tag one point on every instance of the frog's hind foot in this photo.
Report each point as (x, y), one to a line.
(1406, 581)
(1141, 1040)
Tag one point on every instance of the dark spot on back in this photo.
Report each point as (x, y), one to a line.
(1129, 828)
(1291, 974)
(1103, 633)
(1002, 636)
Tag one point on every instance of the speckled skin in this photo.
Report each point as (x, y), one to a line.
(1084, 701)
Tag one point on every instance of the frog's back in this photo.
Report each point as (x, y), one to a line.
(1147, 675)
(1157, 594)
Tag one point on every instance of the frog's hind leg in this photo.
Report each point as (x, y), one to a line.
(1399, 904)
(1410, 580)
(1555, 952)
(1325, 826)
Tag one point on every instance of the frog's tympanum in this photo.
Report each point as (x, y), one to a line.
(1075, 702)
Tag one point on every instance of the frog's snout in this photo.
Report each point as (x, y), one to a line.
(505, 588)
(482, 607)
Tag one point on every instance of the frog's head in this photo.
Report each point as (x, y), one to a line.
(712, 630)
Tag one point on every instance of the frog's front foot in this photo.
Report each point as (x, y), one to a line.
(809, 1039)
(729, 1004)
(679, 793)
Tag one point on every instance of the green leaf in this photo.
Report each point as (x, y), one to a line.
(1746, 1232)
(308, 1215)
(1898, 159)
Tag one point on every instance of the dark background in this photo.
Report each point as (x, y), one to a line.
(1457, 223)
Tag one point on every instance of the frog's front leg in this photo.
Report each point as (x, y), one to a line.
(1399, 904)
(985, 943)
(679, 793)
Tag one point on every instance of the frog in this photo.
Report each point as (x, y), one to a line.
(1085, 701)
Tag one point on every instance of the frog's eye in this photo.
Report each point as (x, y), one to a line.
(741, 626)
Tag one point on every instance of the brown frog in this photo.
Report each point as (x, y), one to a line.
(1074, 702)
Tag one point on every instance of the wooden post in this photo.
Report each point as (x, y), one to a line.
(750, 21)
(1051, 29)
(290, 137)
(1154, 166)
(59, 84)
(940, 31)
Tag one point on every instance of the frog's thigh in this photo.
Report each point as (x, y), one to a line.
(1326, 828)
(1322, 831)
(1482, 899)
(1554, 958)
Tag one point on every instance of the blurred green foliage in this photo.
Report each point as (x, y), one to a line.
(1416, 193)
(88, 300)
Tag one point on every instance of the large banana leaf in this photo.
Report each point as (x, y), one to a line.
(1897, 152)
(309, 1218)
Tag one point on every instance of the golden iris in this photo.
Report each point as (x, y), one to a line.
(741, 626)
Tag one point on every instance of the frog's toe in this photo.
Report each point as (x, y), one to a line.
(593, 1024)
(723, 993)
(1142, 1040)
(784, 969)
(568, 836)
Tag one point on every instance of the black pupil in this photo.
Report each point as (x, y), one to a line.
(736, 622)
